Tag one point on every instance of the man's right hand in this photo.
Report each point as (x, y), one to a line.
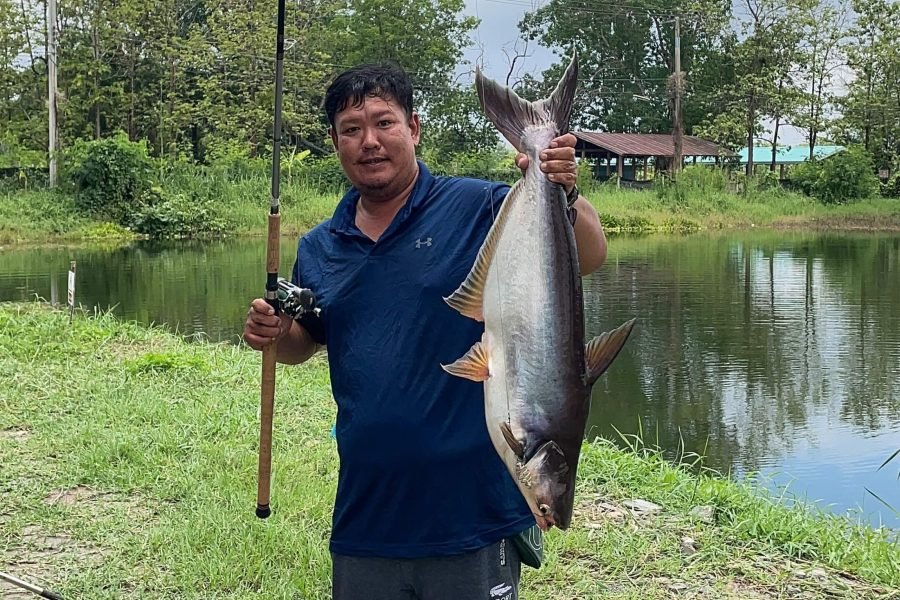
(263, 326)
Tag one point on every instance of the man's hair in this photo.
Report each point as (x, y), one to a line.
(353, 86)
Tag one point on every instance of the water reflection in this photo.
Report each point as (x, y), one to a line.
(773, 353)
(776, 353)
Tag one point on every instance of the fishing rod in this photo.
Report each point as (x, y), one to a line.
(42, 592)
(267, 384)
(281, 294)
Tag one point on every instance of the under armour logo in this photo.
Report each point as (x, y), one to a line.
(420, 243)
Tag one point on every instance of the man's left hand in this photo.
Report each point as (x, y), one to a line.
(557, 161)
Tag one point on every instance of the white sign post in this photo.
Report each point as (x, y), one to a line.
(71, 295)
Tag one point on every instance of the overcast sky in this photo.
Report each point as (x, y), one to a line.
(496, 42)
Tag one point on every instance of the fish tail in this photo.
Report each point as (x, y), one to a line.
(511, 114)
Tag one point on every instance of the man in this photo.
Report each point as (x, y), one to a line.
(425, 508)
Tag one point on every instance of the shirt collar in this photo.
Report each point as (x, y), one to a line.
(344, 218)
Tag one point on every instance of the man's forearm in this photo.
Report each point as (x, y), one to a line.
(589, 237)
(296, 346)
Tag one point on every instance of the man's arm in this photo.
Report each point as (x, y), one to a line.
(558, 162)
(589, 237)
(263, 327)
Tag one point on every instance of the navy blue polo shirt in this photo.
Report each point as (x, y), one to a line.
(418, 474)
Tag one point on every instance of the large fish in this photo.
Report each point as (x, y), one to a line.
(526, 287)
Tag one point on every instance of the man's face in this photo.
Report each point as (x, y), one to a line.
(376, 143)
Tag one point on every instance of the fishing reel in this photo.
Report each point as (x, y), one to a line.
(296, 301)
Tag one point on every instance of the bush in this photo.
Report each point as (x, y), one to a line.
(838, 179)
(323, 173)
(891, 187)
(162, 215)
(848, 175)
(490, 165)
(109, 176)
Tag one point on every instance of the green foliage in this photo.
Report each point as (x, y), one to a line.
(109, 176)
(323, 173)
(104, 232)
(891, 187)
(840, 178)
(694, 183)
(161, 362)
(495, 164)
(160, 215)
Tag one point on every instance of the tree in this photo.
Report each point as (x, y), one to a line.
(626, 55)
(819, 57)
(871, 107)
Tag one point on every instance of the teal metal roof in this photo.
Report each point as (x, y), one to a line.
(787, 155)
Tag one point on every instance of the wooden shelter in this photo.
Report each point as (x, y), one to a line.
(628, 153)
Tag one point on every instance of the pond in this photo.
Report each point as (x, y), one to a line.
(774, 355)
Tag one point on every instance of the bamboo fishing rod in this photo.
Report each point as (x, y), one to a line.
(269, 352)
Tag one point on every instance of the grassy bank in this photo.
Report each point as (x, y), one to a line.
(129, 466)
(35, 216)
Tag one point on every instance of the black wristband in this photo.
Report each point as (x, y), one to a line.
(572, 196)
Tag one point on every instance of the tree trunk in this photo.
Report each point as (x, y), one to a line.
(751, 127)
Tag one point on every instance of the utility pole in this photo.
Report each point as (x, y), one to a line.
(51, 99)
(677, 120)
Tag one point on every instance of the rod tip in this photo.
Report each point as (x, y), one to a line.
(263, 511)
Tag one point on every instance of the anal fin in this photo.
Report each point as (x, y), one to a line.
(603, 349)
(473, 365)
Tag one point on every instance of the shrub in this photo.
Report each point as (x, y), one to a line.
(891, 187)
(323, 173)
(491, 165)
(846, 176)
(109, 176)
(162, 215)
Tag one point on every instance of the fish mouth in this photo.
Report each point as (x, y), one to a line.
(545, 522)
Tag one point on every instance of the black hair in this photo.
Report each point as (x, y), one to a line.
(350, 88)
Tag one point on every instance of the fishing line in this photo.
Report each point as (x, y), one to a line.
(499, 281)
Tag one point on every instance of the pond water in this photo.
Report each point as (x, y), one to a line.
(774, 355)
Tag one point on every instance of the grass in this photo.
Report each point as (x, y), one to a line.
(701, 202)
(129, 469)
(647, 211)
(42, 215)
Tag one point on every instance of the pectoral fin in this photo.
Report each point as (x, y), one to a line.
(473, 365)
(603, 349)
(514, 444)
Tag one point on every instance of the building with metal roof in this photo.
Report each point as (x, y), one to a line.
(628, 154)
(787, 155)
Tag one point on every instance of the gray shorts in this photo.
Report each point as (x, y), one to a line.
(491, 573)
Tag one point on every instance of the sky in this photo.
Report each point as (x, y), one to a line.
(497, 39)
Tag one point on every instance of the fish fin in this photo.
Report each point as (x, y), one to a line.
(468, 298)
(603, 349)
(473, 365)
(514, 444)
(512, 114)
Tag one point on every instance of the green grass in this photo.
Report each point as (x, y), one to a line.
(129, 470)
(646, 211)
(700, 203)
(42, 215)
